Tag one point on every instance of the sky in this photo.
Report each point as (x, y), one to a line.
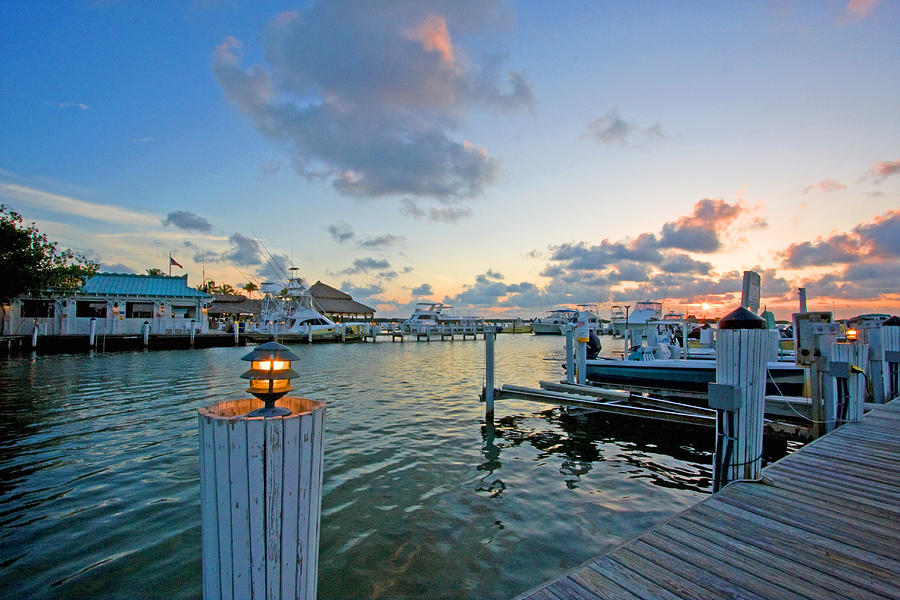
(505, 158)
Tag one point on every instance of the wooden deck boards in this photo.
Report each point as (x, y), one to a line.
(824, 523)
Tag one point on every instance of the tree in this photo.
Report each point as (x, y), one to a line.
(207, 286)
(225, 290)
(31, 264)
(155, 271)
(250, 288)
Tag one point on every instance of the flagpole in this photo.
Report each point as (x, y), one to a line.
(170, 264)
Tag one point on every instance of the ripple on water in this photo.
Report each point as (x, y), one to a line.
(99, 491)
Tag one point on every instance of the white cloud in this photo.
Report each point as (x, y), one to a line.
(73, 206)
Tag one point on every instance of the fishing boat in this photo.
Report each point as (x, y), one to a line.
(516, 326)
(587, 313)
(426, 315)
(644, 311)
(292, 310)
(553, 322)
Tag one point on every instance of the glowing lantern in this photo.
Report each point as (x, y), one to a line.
(270, 377)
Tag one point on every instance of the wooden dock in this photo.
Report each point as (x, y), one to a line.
(824, 522)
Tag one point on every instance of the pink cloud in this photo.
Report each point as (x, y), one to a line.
(826, 185)
(858, 9)
(434, 37)
(884, 168)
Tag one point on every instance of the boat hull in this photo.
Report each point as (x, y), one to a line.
(687, 375)
(546, 329)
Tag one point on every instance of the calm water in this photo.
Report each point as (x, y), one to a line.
(99, 486)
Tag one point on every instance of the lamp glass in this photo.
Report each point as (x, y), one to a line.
(262, 385)
(270, 365)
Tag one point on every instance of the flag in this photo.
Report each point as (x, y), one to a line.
(172, 263)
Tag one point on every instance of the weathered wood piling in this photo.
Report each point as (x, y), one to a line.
(739, 396)
(260, 488)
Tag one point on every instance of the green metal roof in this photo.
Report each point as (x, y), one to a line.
(123, 284)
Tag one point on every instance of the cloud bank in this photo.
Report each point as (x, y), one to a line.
(369, 96)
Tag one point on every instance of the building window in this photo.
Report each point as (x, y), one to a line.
(90, 309)
(184, 312)
(138, 310)
(37, 309)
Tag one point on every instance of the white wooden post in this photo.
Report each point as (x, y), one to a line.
(890, 339)
(739, 395)
(92, 336)
(875, 360)
(193, 332)
(488, 371)
(260, 497)
(846, 380)
(582, 337)
(343, 332)
(856, 382)
(309, 333)
(570, 353)
(774, 345)
(825, 340)
(237, 333)
(34, 336)
(145, 331)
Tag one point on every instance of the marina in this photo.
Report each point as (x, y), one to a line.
(470, 300)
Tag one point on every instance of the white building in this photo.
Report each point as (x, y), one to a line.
(119, 304)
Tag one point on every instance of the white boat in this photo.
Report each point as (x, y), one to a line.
(554, 321)
(588, 312)
(292, 310)
(784, 379)
(426, 316)
(644, 311)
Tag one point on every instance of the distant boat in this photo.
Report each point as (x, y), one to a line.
(517, 326)
(425, 314)
(430, 317)
(644, 311)
(553, 322)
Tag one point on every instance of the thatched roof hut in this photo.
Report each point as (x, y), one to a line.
(336, 302)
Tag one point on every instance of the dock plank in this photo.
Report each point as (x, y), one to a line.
(844, 565)
(824, 522)
(793, 569)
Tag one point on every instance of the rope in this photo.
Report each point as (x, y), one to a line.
(791, 406)
(745, 463)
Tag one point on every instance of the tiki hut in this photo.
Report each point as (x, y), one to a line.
(338, 305)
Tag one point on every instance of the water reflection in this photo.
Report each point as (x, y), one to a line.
(584, 439)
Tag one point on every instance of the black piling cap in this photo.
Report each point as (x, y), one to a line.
(892, 322)
(742, 318)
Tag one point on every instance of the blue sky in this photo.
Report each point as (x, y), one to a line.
(503, 157)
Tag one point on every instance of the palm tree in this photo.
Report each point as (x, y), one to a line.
(250, 288)
(225, 290)
(155, 271)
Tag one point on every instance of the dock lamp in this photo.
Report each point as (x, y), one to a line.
(270, 377)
